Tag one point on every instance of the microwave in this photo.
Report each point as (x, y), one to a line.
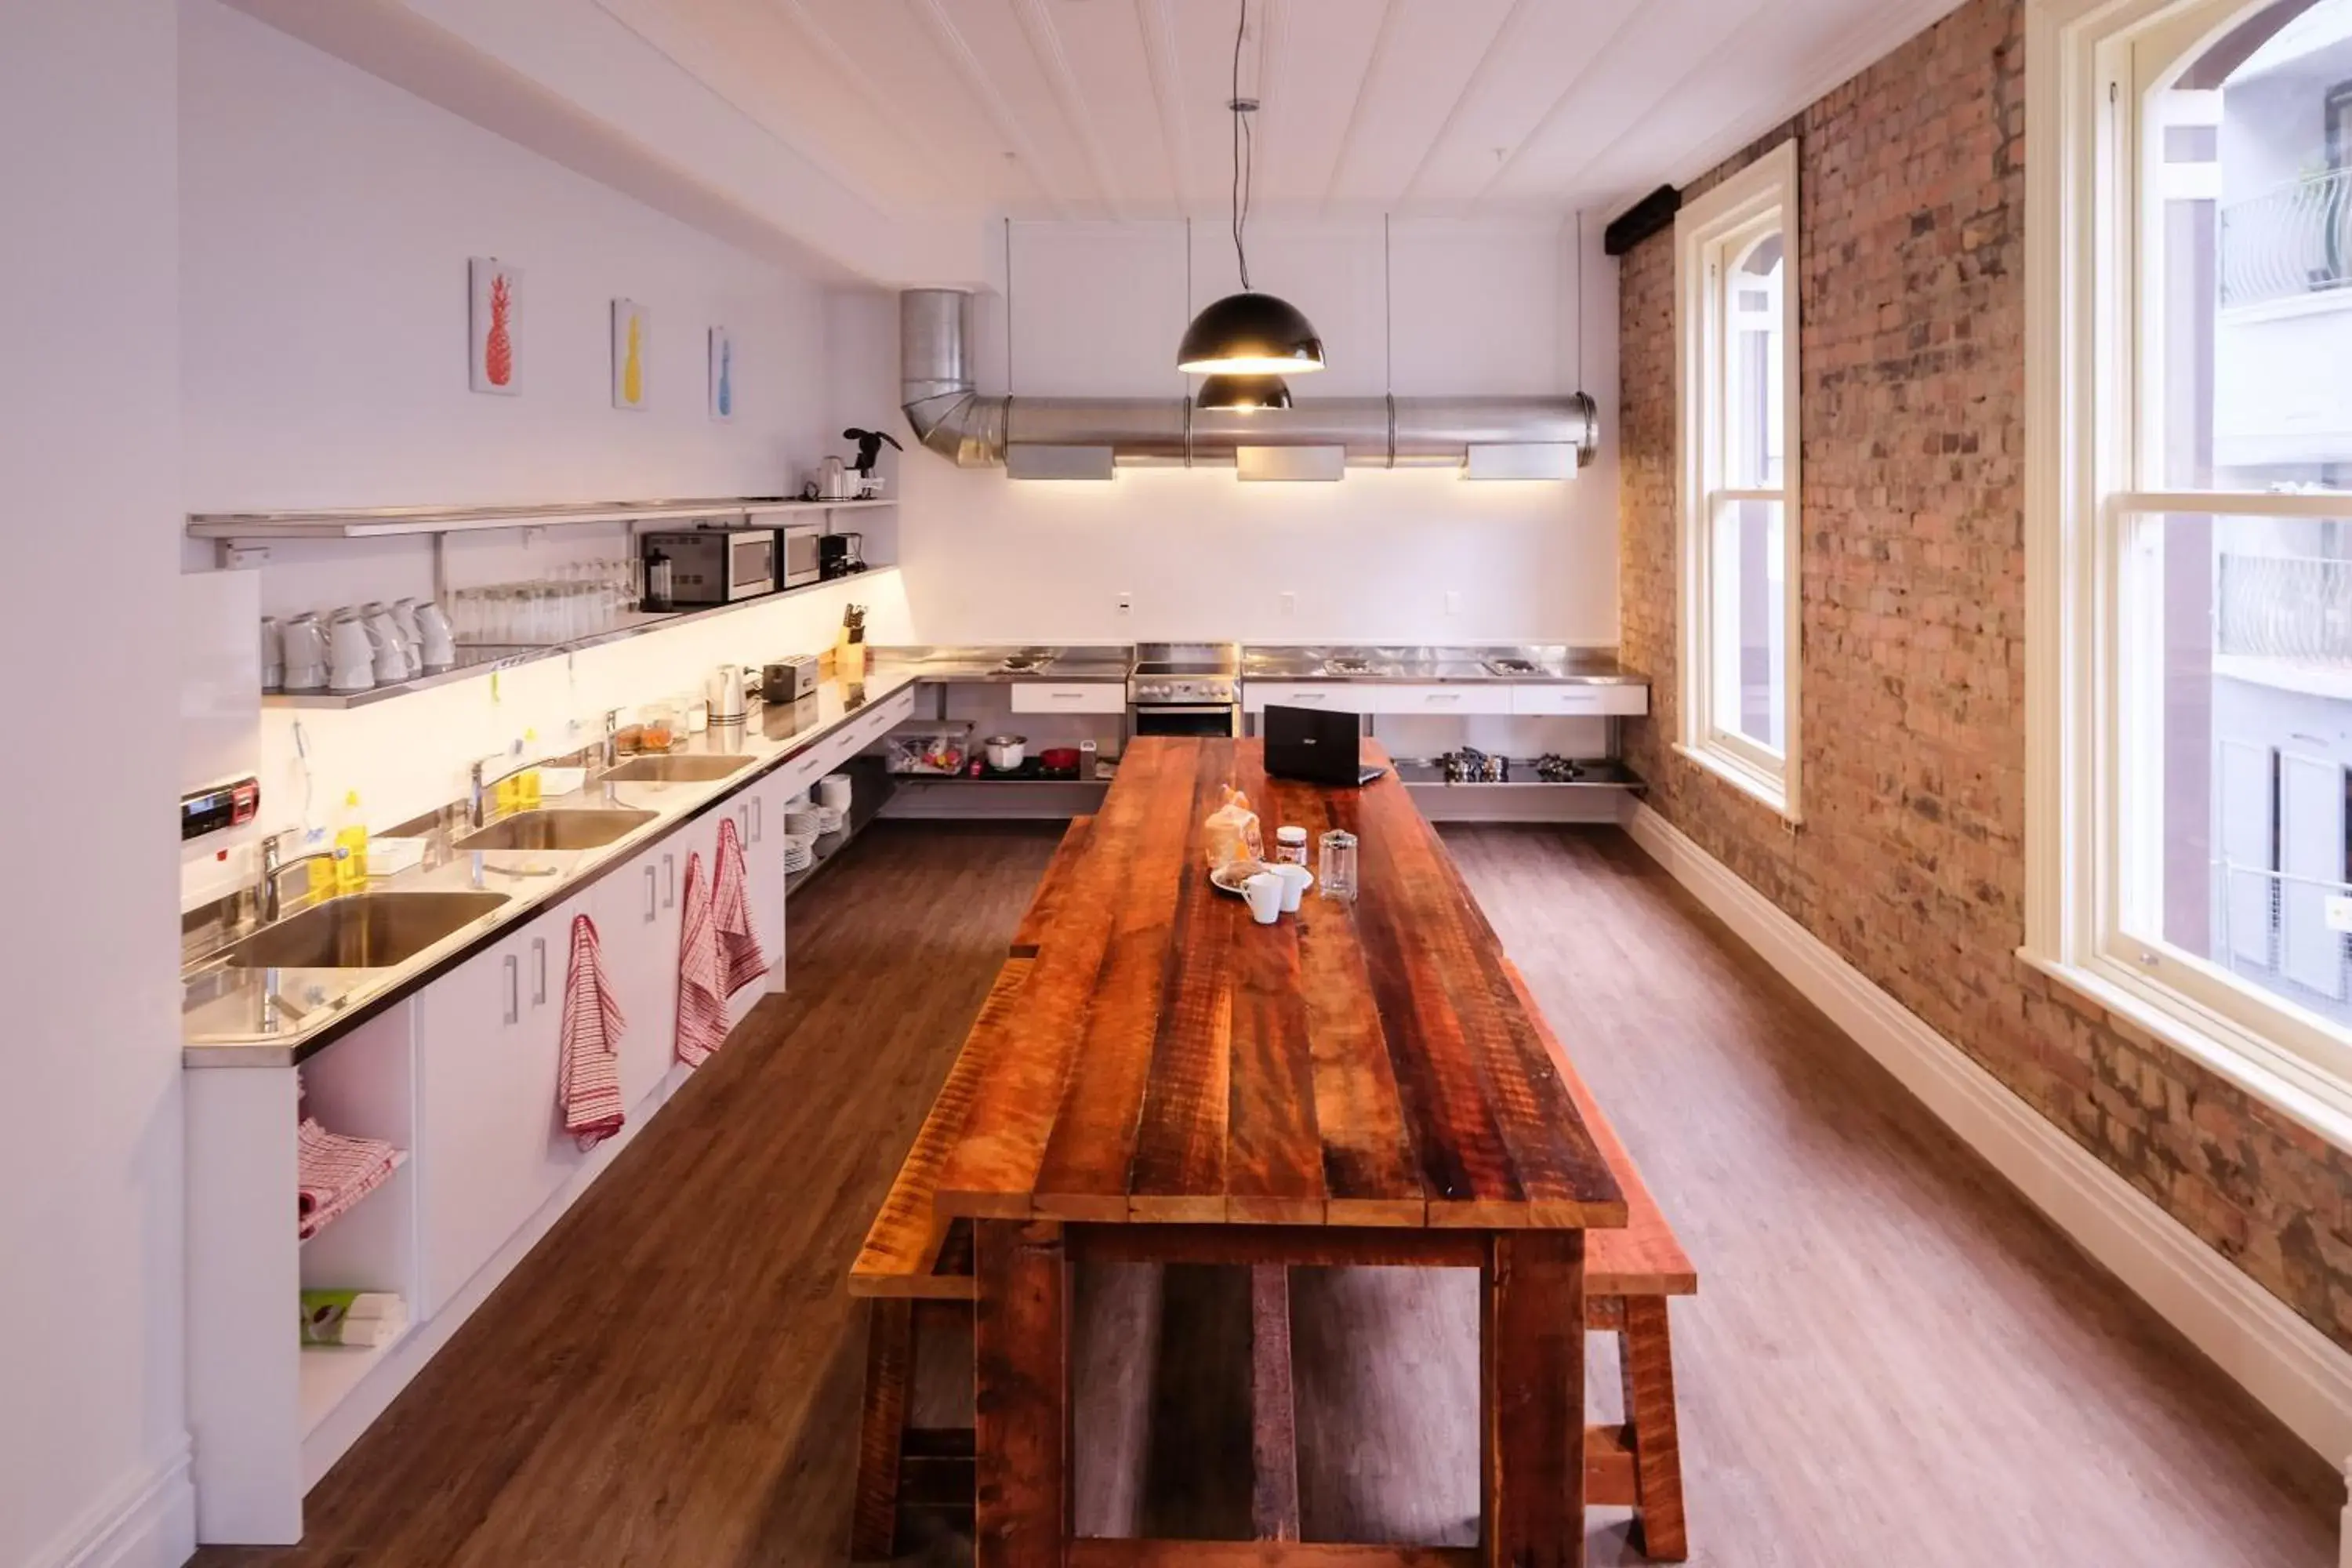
(802, 547)
(715, 565)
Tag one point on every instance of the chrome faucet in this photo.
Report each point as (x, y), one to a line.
(612, 751)
(481, 782)
(274, 865)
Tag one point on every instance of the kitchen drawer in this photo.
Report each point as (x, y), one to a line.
(1069, 697)
(1463, 697)
(1336, 696)
(1627, 699)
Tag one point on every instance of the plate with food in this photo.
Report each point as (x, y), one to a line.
(1229, 877)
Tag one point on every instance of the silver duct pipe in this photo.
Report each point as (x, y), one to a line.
(951, 418)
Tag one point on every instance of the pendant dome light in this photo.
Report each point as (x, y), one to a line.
(1243, 393)
(1247, 337)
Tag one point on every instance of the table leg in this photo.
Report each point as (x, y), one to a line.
(1531, 1351)
(1022, 1419)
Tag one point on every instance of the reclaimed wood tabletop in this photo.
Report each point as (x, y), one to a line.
(1361, 1063)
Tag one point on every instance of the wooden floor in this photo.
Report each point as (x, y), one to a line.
(1915, 1371)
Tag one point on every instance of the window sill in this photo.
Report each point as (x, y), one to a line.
(1760, 787)
(2298, 1090)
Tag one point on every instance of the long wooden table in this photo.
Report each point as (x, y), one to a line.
(1360, 1084)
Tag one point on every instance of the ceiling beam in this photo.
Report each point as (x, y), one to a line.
(933, 15)
(1045, 46)
(1363, 90)
(1158, 27)
(1470, 85)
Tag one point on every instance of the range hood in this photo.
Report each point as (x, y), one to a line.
(1082, 438)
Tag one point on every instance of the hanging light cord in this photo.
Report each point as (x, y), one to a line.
(1244, 152)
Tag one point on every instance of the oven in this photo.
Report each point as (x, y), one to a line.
(1185, 689)
(1184, 718)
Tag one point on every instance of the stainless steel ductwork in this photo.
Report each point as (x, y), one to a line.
(951, 418)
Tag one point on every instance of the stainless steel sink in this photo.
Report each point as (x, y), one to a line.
(365, 931)
(676, 769)
(577, 829)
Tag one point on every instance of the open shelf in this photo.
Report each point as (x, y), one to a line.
(512, 656)
(384, 522)
(399, 1159)
(330, 1373)
(870, 790)
(1599, 773)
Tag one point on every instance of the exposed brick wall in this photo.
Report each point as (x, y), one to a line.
(1911, 861)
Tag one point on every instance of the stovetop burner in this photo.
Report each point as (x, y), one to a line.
(1021, 663)
(1514, 666)
(1347, 663)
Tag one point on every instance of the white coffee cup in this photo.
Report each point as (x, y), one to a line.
(350, 655)
(1264, 893)
(1296, 880)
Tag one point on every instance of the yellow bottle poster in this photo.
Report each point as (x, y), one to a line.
(632, 342)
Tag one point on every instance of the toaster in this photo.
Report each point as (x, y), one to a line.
(788, 679)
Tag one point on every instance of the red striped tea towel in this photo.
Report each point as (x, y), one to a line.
(701, 972)
(332, 1173)
(588, 1077)
(731, 911)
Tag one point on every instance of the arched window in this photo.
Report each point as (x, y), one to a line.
(2189, 526)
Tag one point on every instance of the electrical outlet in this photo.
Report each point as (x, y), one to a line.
(1126, 601)
(1289, 602)
(1452, 601)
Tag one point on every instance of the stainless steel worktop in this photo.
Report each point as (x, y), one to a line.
(1007, 662)
(1545, 663)
(233, 1017)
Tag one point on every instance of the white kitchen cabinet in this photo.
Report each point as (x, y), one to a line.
(1337, 696)
(1379, 697)
(1069, 697)
(640, 940)
(1624, 700)
(491, 1149)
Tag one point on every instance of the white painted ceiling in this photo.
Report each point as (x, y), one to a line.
(858, 116)
(1117, 107)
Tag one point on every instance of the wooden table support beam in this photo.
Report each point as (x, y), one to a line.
(1274, 1413)
(1531, 1351)
(1021, 1413)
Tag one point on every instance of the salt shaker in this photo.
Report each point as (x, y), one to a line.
(1335, 867)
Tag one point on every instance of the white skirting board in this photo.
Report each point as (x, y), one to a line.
(150, 1522)
(2295, 1370)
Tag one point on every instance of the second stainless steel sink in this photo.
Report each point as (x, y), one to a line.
(555, 829)
(701, 769)
(365, 931)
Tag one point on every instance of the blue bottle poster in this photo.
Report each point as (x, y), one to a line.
(722, 373)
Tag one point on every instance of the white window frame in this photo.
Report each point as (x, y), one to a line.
(1760, 199)
(2091, 488)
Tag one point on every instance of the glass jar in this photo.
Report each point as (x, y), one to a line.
(1335, 867)
(1290, 846)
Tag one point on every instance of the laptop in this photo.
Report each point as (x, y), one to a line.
(1315, 746)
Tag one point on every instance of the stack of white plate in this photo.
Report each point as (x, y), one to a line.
(829, 818)
(799, 856)
(803, 822)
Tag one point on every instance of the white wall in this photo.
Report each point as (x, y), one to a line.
(92, 1429)
(327, 218)
(1096, 309)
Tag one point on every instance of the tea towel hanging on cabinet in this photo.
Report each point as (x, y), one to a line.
(588, 1078)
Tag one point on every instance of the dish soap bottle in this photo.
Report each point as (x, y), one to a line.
(527, 781)
(351, 846)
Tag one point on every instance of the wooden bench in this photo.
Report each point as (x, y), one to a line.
(914, 1268)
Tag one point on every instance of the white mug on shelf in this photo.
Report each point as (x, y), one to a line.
(350, 654)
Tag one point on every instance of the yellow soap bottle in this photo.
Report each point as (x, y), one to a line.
(350, 847)
(527, 782)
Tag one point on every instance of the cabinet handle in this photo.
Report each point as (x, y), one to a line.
(669, 872)
(653, 894)
(1434, 698)
(514, 988)
(1067, 696)
(758, 818)
(539, 956)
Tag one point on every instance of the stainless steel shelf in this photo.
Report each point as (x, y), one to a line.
(518, 656)
(381, 522)
(1599, 773)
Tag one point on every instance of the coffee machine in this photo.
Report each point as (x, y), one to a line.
(840, 554)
